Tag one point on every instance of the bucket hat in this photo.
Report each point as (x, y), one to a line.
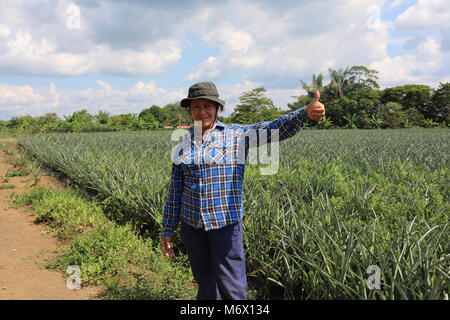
(205, 90)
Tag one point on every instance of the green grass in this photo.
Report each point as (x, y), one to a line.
(13, 133)
(9, 152)
(7, 186)
(16, 173)
(126, 265)
(19, 161)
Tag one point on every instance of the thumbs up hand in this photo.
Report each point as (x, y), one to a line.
(315, 110)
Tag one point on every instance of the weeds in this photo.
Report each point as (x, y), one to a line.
(9, 152)
(111, 255)
(7, 186)
(19, 161)
(35, 170)
(16, 173)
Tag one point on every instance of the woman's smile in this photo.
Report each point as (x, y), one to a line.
(203, 110)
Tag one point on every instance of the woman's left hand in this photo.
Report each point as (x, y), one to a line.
(315, 110)
(166, 247)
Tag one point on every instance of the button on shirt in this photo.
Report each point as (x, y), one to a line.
(207, 176)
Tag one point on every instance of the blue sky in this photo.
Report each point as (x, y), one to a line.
(123, 56)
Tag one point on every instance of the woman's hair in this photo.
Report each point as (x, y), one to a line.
(219, 106)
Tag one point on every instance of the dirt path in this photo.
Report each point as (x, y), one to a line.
(23, 247)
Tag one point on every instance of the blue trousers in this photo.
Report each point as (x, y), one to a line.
(217, 261)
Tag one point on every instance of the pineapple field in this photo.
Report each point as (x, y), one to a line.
(350, 214)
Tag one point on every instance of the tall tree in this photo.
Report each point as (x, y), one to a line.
(339, 81)
(341, 109)
(410, 96)
(367, 99)
(156, 112)
(440, 110)
(254, 106)
(47, 118)
(25, 122)
(362, 77)
(316, 84)
(122, 120)
(146, 120)
(176, 115)
(80, 116)
(392, 114)
(102, 117)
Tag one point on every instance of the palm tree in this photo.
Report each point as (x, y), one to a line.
(316, 84)
(339, 81)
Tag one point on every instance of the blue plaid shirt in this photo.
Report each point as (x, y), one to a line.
(207, 176)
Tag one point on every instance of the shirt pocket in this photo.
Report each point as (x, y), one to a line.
(217, 151)
(191, 175)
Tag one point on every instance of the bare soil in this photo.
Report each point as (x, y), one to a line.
(24, 246)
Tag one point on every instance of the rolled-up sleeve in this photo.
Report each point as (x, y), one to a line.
(172, 207)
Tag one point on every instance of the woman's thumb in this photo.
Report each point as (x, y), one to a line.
(316, 96)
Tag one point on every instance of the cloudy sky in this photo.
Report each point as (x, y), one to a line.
(123, 56)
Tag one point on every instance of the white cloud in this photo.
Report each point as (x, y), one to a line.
(406, 69)
(20, 100)
(54, 96)
(425, 14)
(400, 40)
(396, 3)
(150, 93)
(212, 68)
(11, 95)
(231, 93)
(24, 99)
(36, 40)
(4, 31)
(230, 38)
(280, 49)
(25, 55)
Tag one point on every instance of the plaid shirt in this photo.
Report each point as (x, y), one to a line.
(207, 177)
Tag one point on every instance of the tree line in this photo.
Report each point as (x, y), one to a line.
(352, 98)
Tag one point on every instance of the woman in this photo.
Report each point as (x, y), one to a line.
(206, 190)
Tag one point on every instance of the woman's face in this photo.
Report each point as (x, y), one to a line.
(203, 110)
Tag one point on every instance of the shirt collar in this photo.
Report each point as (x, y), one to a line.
(220, 125)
